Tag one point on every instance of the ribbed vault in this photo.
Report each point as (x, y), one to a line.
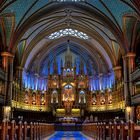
(103, 21)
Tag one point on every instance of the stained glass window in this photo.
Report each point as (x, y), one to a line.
(68, 87)
(68, 32)
(82, 92)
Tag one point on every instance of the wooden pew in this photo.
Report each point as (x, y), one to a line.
(22, 131)
(112, 131)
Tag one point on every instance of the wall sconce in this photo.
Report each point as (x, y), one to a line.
(26, 101)
(94, 103)
(102, 102)
(34, 102)
(6, 112)
(42, 101)
(128, 110)
(110, 101)
(102, 97)
(54, 84)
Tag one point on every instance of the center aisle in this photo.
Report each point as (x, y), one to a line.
(68, 135)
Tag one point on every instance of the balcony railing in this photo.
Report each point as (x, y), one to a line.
(24, 106)
(114, 106)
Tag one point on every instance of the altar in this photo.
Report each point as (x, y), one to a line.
(70, 120)
(68, 90)
(63, 113)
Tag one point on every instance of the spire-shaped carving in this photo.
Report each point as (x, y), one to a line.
(61, 65)
(68, 57)
(75, 62)
(49, 68)
(81, 67)
(55, 68)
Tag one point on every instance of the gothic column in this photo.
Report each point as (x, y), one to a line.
(118, 73)
(129, 65)
(19, 71)
(18, 81)
(59, 92)
(7, 63)
(118, 77)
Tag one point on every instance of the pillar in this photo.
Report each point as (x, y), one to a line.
(7, 64)
(118, 73)
(19, 77)
(18, 95)
(59, 92)
(129, 65)
(18, 82)
(118, 82)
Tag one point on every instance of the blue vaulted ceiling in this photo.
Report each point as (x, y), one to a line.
(17, 14)
(78, 55)
(23, 9)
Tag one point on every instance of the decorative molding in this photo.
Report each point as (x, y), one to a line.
(135, 99)
(2, 74)
(136, 74)
(1, 99)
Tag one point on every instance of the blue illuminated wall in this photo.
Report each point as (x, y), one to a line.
(34, 82)
(101, 82)
(96, 82)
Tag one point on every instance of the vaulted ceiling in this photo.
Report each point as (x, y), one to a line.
(112, 27)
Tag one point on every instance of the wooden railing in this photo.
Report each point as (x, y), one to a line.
(24, 131)
(112, 131)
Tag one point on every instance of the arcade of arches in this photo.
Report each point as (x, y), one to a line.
(70, 61)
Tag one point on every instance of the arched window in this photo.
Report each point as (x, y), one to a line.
(82, 98)
(68, 87)
(68, 93)
(54, 92)
(82, 92)
(54, 96)
(68, 32)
